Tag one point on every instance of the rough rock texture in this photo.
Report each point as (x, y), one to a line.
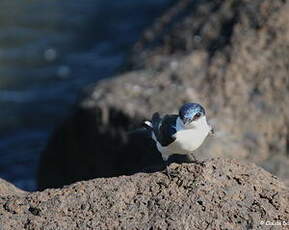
(231, 56)
(8, 189)
(222, 194)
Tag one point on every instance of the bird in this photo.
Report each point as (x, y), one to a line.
(180, 133)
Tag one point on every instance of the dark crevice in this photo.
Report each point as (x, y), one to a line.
(270, 199)
(35, 211)
(238, 180)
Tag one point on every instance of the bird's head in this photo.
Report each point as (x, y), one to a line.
(191, 114)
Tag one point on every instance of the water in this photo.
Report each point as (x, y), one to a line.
(49, 50)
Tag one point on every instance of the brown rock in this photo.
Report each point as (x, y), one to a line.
(222, 194)
(231, 56)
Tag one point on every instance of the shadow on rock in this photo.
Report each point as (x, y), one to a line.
(98, 143)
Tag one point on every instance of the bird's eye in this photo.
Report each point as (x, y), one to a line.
(197, 116)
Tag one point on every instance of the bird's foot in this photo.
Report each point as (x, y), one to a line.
(202, 163)
(168, 172)
(171, 174)
(194, 160)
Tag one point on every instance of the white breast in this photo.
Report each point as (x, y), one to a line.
(187, 140)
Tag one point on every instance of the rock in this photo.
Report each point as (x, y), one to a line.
(221, 194)
(231, 56)
(7, 189)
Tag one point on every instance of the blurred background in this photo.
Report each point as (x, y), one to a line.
(231, 56)
(49, 50)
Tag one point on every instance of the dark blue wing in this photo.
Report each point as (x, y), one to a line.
(164, 129)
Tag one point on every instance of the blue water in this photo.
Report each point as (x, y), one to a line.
(49, 50)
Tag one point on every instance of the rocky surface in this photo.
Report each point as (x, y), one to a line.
(221, 194)
(231, 56)
(8, 189)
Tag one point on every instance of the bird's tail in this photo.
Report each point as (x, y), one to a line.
(154, 123)
(156, 119)
(149, 127)
(152, 126)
